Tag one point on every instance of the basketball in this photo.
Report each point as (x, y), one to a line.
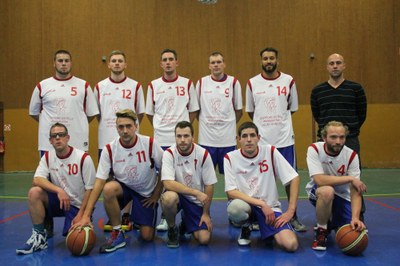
(81, 241)
(351, 242)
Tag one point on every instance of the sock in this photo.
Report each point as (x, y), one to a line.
(324, 226)
(117, 227)
(39, 227)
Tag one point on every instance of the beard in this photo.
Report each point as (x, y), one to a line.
(334, 149)
(271, 70)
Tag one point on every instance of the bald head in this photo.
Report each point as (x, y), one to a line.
(335, 66)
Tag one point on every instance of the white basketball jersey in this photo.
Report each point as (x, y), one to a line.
(256, 177)
(69, 102)
(170, 102)
(218, 102)
(273, 101)
(112, 97)
(346, 163)
(74, 174)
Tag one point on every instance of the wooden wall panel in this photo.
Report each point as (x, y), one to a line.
(366, 32)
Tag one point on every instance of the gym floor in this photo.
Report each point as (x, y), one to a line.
(382, 216)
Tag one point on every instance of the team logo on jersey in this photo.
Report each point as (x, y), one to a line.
(60, 106)
(270, 103)
(131, 172)
(216, 105)
(253, 185)
(115, 106)
(188, 180)
(170, 102)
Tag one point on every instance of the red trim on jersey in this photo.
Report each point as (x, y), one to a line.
(86, 93)
(128, 147)
(177, 148)
(46, 154)
(82, 162)
(40, 96)
(314, 147)
(204, 157)
(170, 151)
(279, 74)
(114, 81)
(353, 155)
(63, 79)
(249, 84)
(244, 155)
(228, 158)
(108, 147)
(291, 83)
(233, 95)
(69, 153)
(272, 159)
(169, 81)
(220, 80)
(136, 95)
(152, 93)
(188, 91)
(151, 140)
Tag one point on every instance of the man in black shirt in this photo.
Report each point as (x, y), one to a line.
(341, 100)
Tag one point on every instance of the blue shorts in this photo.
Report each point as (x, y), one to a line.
(267, 230)
(165, 147)
(218, 154)
(53, 210)
(290, 155)
(191, 215)
(341, 209)
(139, 215)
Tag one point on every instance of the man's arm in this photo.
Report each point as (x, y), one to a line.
(83, 206)
(294, 194)
(356, 203)
(182, 189)
(330, 180)
(155, 196)
(193, 116)
(63, 197)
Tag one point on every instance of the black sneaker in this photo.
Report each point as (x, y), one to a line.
(49, 226)
(182, 229)
(173, 237)
(320, 239)
(244, 237)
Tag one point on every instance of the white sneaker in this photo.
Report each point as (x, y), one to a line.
(162, 226)
(244, 237)
(37, 242)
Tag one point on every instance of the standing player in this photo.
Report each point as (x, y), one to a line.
(133, 158)
(62, 185)
(271, 99)
(63, 98)
(113, 94)
(170, 98)
(250, 181)
(341, 100)
(188, 176)
(220, 100)
(335, 188)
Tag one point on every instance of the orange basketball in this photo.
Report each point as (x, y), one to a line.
(351, 242)
(81, 241)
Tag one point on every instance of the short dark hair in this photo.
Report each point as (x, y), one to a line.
(62, 52)
(269, 49)
(246, 125)
(216, 54)
(170, 51)
(58, 125)
(185, 124)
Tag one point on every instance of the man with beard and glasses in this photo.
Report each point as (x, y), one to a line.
(271, 99)
(113, 94)
(341, 100)
(335, 188)
(66, 99)
(188, 177)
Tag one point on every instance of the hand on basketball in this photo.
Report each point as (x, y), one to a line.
(64, 200)
(283, 219)
(84, 221)
(357, 225)
(359, 185)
